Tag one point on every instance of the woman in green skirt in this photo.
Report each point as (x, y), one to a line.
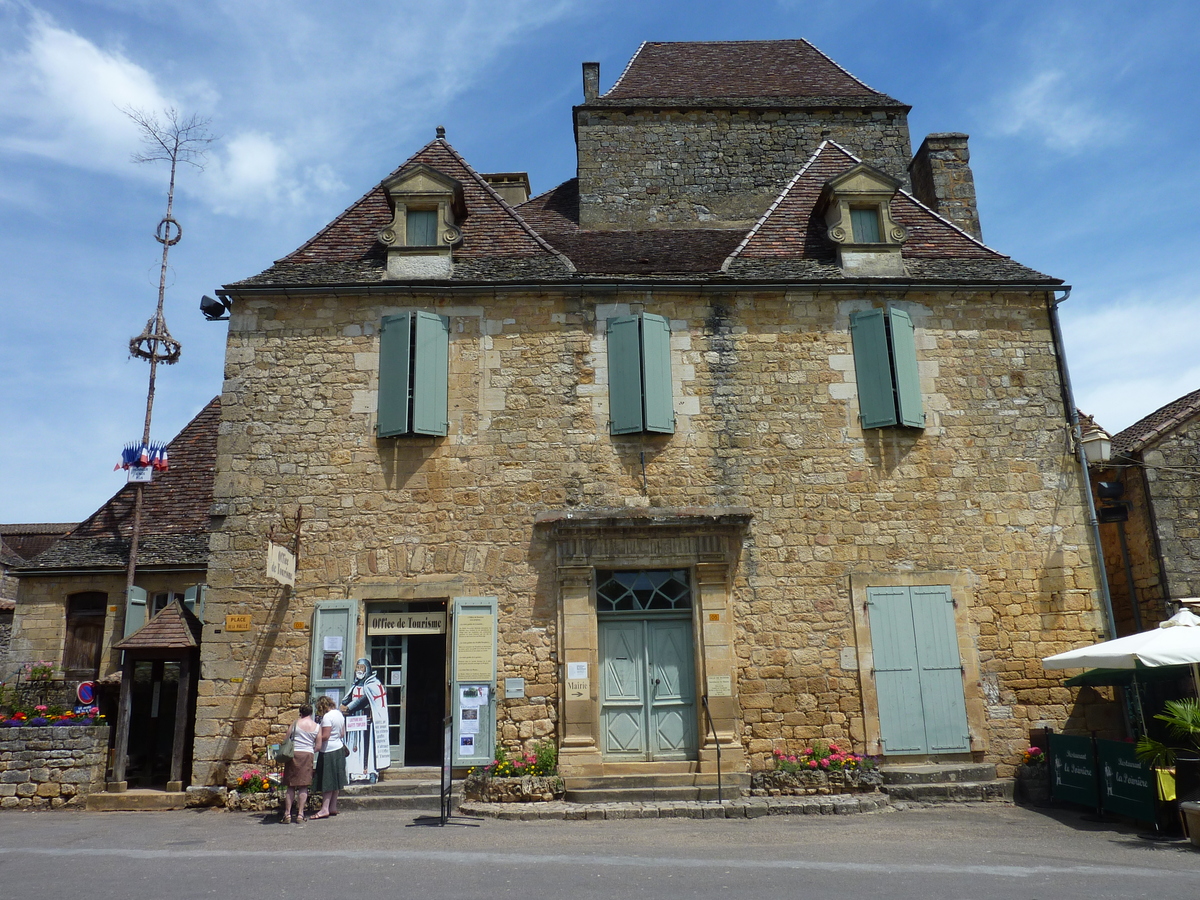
(330, 776)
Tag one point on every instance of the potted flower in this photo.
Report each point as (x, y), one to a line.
(1033, 776)
(517, 776)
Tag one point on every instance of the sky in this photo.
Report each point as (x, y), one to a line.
(1083, 119)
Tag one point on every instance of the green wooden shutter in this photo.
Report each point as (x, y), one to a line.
(656, 374)
(904, 365)
(329, 673)
(943, 705)
(624, 375)
(193, 599)
(897, 676)
(872, 369)
(135, 610)
(431, 370)
(395, 338)
(420, 227)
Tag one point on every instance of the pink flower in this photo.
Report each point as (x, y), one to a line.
(41, 708)
(812, 763)
(791, 759)
(808, 751)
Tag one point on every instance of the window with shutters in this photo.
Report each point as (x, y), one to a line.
(885, 365)
(414, 358)
(639, 375)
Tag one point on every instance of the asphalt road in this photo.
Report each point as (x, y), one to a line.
(964, 853)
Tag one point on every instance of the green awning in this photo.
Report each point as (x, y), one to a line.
(1145, 675)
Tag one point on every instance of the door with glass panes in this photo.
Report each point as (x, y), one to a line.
(647, 683)
(412, 668)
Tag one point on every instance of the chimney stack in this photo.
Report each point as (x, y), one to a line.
(942, 180)
(591, 81)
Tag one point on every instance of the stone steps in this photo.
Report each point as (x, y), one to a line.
(946, 783)
(655, 787)
(414, 788)
(136, 800)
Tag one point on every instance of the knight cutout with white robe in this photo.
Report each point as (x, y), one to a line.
(370, 748)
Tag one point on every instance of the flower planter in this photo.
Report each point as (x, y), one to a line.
(519, 789)
(1033, 783)
(831, 781)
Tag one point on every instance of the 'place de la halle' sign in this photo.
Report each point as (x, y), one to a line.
(406, 623)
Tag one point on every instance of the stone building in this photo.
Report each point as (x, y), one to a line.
(72, 608)
(1148, 502)
(741, 438)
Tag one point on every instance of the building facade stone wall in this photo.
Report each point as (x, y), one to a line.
(766, 419)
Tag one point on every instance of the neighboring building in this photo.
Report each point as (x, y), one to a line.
(71, 603)
(1148, 504)
(745, 415)
(20, 543)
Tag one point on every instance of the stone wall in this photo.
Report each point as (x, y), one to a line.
(1143, 554)
(767, 419)
(698, 168)
(40, 620)
(51, 767)
(1174, 487)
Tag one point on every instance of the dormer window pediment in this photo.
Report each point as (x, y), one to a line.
(858, 219)
(427, 209)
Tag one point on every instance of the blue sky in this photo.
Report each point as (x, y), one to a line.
(1082, 115)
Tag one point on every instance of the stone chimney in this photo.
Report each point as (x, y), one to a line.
(513, 187)
(942, 180)
(591, 81)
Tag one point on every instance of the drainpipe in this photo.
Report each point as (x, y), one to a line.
(1077, 439)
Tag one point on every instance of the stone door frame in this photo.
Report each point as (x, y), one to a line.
(708, 542)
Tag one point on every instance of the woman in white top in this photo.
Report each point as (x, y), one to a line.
(331, 764)
(298, 771)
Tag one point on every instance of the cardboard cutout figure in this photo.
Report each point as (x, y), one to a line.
(370, 748)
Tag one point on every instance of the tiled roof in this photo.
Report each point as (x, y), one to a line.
(742, 70)
(662, 252)
(791, 235)
(348, 250)
(175, 627)
(555, 210)
(175, 510)
(1146, 431)
(788, 242)
(26, 540)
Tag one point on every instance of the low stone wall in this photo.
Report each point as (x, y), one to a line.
(798, 784)
(52, 766)
(525, 789)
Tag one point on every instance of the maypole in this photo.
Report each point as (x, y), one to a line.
(175, 141)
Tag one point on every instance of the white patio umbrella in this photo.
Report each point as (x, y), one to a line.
(1174, 642)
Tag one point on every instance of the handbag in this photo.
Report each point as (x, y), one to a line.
(286, 751)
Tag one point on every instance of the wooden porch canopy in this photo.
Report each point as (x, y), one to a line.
(173, 634)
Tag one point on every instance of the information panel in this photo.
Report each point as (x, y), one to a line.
(473, 686)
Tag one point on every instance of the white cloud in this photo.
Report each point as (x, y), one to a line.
(1133, 356)
(1051, 109)
(61, 99)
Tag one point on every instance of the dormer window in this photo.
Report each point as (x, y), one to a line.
(858, 219)
(427, 207)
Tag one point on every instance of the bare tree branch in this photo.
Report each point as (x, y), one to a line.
(171, 139)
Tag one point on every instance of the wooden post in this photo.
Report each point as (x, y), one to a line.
(181, 723)
(119, 784)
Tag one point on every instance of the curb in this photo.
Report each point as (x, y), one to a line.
(752, 808)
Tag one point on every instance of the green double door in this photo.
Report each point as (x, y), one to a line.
(918, 671)
(647, 689)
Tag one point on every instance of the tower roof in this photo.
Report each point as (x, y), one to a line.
(771, 71)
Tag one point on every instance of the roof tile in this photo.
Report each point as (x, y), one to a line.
(1149, 429)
